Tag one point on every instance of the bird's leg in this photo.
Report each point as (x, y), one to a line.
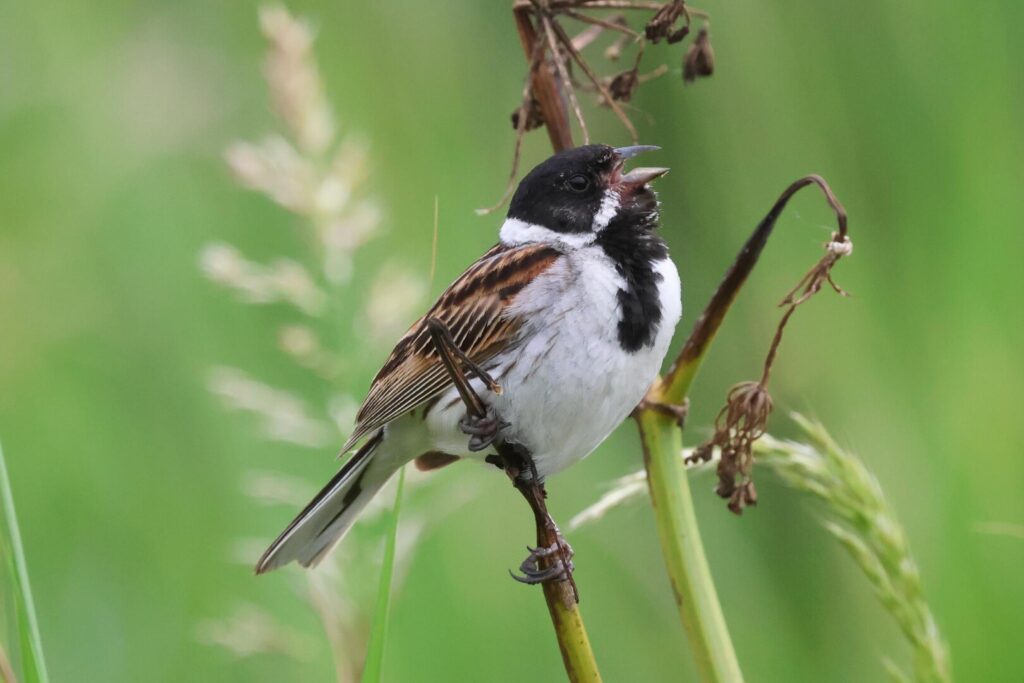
(481, 422)
(551, 560)
(677, 411)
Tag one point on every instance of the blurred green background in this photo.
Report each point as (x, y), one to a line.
(113, 120)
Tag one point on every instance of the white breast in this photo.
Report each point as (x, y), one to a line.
(570, 383)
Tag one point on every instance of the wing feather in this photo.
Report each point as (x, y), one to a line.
(476, 310)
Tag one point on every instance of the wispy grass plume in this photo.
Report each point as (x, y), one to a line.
(22, 609)
(318, 173)
(855, 512)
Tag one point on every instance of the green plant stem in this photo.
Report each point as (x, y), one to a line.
(373, 667)
(666, 474)
(580, 665)
(31, 644)
(683, 549)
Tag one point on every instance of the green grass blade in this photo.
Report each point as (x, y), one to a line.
(378, 636)
(30, 645)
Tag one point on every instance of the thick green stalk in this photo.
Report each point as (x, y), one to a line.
(683, 549)
(580, 665)
(666, 475)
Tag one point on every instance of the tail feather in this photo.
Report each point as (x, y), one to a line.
(328, 516)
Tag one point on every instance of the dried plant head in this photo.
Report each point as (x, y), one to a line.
(614, 51)
(739, 424)
(558, 69)
(662, 24)
(839, 245)
(534, 117)
(748, 405)
(699, 60)
(624, 84)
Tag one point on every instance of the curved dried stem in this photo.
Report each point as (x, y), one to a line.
(545, 90)
(556, 56)
(578, 58)
(614, 23)
(676, 383)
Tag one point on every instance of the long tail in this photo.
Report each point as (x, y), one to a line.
(330, 514)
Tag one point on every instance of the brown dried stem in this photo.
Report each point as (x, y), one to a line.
(616, 22)
(578, 58)
(676, 382)
(542, 82)
(550, 83)
(563, 71)
(748, 405)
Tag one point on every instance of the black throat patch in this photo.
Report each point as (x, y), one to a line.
(634, 251)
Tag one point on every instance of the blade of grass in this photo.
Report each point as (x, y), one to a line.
(372, 670)
(30, 645)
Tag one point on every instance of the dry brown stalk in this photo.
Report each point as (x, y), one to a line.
(748, 405)
(550, 87)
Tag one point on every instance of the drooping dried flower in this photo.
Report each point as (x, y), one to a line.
(699, 60)
(811, 283)
(679, 35)
(623, 85)
(739, 424)
(662, 23)
(534, 119)
(742, 421)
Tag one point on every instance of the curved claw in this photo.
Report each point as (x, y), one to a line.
(560, 569)
(482, 430)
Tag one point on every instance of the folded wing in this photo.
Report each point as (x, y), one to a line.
(476, 310)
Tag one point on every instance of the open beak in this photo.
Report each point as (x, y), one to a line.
(638, 177)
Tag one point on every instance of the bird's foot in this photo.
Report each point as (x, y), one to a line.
(482, 430)
(677, 411)
(553, 563)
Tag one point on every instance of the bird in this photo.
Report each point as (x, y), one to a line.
(565, 321)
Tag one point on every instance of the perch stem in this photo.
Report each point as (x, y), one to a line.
(560, 595)
(561, 598)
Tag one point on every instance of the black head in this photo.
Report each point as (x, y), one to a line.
(581, 190)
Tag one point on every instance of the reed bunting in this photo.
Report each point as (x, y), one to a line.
(570, 314)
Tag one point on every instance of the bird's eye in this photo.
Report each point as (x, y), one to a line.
(578, 183)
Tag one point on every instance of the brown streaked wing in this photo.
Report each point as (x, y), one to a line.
(473, 308)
